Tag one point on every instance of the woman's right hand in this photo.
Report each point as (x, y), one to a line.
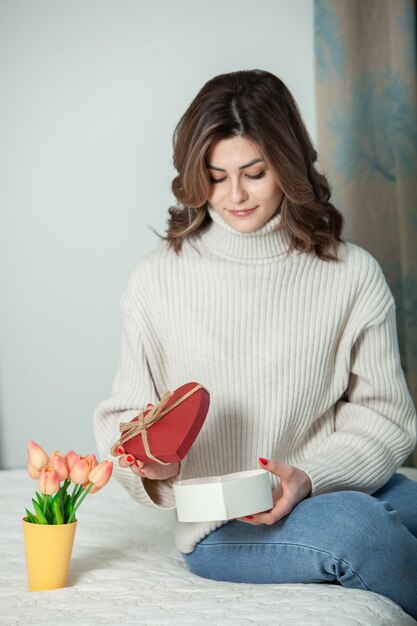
(153, 471)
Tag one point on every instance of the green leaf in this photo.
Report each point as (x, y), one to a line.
(39, 513)
(71, 512)
(31, 518)
(40, 499)
(54, 499)
(62, 498)
(58, 519)
(64, 506)
(67, 510)
(44, 502)
(48, 509)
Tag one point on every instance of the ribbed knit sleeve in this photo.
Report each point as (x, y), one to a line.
(133, 389)
(375, 427)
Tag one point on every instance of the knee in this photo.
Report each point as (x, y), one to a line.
(358, 518)
(211, 566)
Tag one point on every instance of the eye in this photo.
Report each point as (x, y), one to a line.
(219, 180)
(257, 176)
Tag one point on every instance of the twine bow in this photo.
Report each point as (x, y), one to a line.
(157, 412)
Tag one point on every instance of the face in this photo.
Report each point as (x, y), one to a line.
(240, 179)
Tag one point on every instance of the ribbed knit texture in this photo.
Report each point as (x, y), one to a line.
(300, 357)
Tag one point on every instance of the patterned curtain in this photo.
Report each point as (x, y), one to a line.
(366, 94)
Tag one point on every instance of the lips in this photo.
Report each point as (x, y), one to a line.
(242, 212)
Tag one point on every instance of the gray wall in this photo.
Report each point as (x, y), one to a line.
(91, 92)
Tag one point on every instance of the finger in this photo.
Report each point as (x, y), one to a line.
(126, 459)
(273, 466)
(151, 472)
(137, 467)
(245, 518)
(282, 507)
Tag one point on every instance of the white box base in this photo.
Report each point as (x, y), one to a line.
(216, 498)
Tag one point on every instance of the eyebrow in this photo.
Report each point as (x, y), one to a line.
(242, 167)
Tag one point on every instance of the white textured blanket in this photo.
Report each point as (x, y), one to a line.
(126, 570)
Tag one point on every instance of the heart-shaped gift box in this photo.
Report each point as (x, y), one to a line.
(167, 430)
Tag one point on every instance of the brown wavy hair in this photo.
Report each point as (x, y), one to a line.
(257, 105)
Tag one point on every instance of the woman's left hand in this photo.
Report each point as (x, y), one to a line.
(294, 486)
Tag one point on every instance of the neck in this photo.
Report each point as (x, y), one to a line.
(263, 244)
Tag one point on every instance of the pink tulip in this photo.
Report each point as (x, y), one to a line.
(33, 473)
(59, 463)
(37, 456)
(80, 470)
(48, 481)
(100, 475)
(72, 457)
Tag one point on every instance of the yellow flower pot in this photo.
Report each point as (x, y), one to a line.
(48, 551)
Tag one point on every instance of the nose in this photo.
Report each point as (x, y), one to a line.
(238, 193)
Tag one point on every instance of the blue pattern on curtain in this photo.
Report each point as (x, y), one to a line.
(366, 91)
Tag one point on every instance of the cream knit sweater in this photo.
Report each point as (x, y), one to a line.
(300, 357)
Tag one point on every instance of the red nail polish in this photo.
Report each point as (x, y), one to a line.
(263, 461)
(120, 450)
(249, 516)
(129, 458)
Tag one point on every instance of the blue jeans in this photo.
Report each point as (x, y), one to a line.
(346, 537)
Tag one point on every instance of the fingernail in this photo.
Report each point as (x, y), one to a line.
(263, 461)
(130, 458)
(120, 450)
(249, 516)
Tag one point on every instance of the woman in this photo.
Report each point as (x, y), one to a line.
(254, 294)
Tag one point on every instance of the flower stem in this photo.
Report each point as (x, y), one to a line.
(74, 492)
(77, 494)
(83, 495)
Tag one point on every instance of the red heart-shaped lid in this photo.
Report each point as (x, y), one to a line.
(172, 436)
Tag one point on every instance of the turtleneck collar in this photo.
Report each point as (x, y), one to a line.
(258, 246)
